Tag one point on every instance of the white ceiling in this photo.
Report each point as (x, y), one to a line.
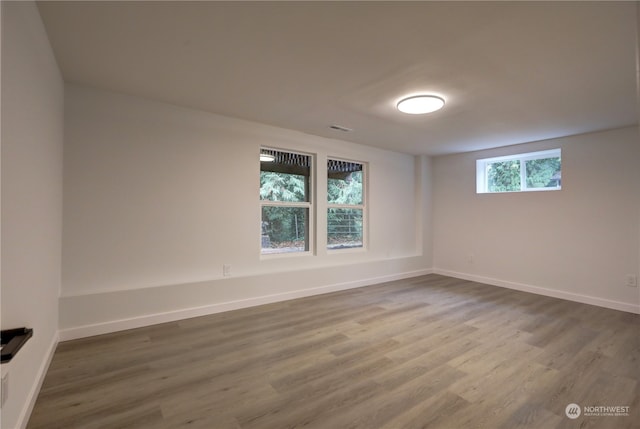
(511, 72)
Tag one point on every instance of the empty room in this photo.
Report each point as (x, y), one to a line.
(366, 215)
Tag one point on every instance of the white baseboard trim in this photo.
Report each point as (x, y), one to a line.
(186, 313)
(569, 296)
(23, 419)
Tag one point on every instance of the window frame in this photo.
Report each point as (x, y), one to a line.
(482, 170)
(309, 205)
(362, 206)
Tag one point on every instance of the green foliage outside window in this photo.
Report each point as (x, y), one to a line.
(345, 191)
(505, 176)
(285, 226)
(345, 225)
(288, 226)
(344, 228)
(282, 187)
(541, 172)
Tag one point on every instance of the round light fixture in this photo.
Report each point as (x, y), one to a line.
(265, 157)
(420, 104)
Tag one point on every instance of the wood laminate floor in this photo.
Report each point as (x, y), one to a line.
(427, 352)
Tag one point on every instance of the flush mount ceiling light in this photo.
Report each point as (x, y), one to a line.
(265, 157)
(420, 104)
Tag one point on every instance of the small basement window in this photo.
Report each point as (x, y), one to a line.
(533, 171)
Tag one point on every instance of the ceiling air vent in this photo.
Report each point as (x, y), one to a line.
(340, 128)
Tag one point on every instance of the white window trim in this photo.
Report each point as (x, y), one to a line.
(363, 207)
(482, 171)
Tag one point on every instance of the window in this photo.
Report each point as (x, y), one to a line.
(346, 209)
(534, 171)
(285, 188)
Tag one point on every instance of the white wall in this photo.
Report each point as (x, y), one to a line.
(159, 197)
(32, 146)
(577, 243)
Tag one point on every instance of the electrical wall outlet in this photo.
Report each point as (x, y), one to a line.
(632, 280)
(226, 270)
(4, 389)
